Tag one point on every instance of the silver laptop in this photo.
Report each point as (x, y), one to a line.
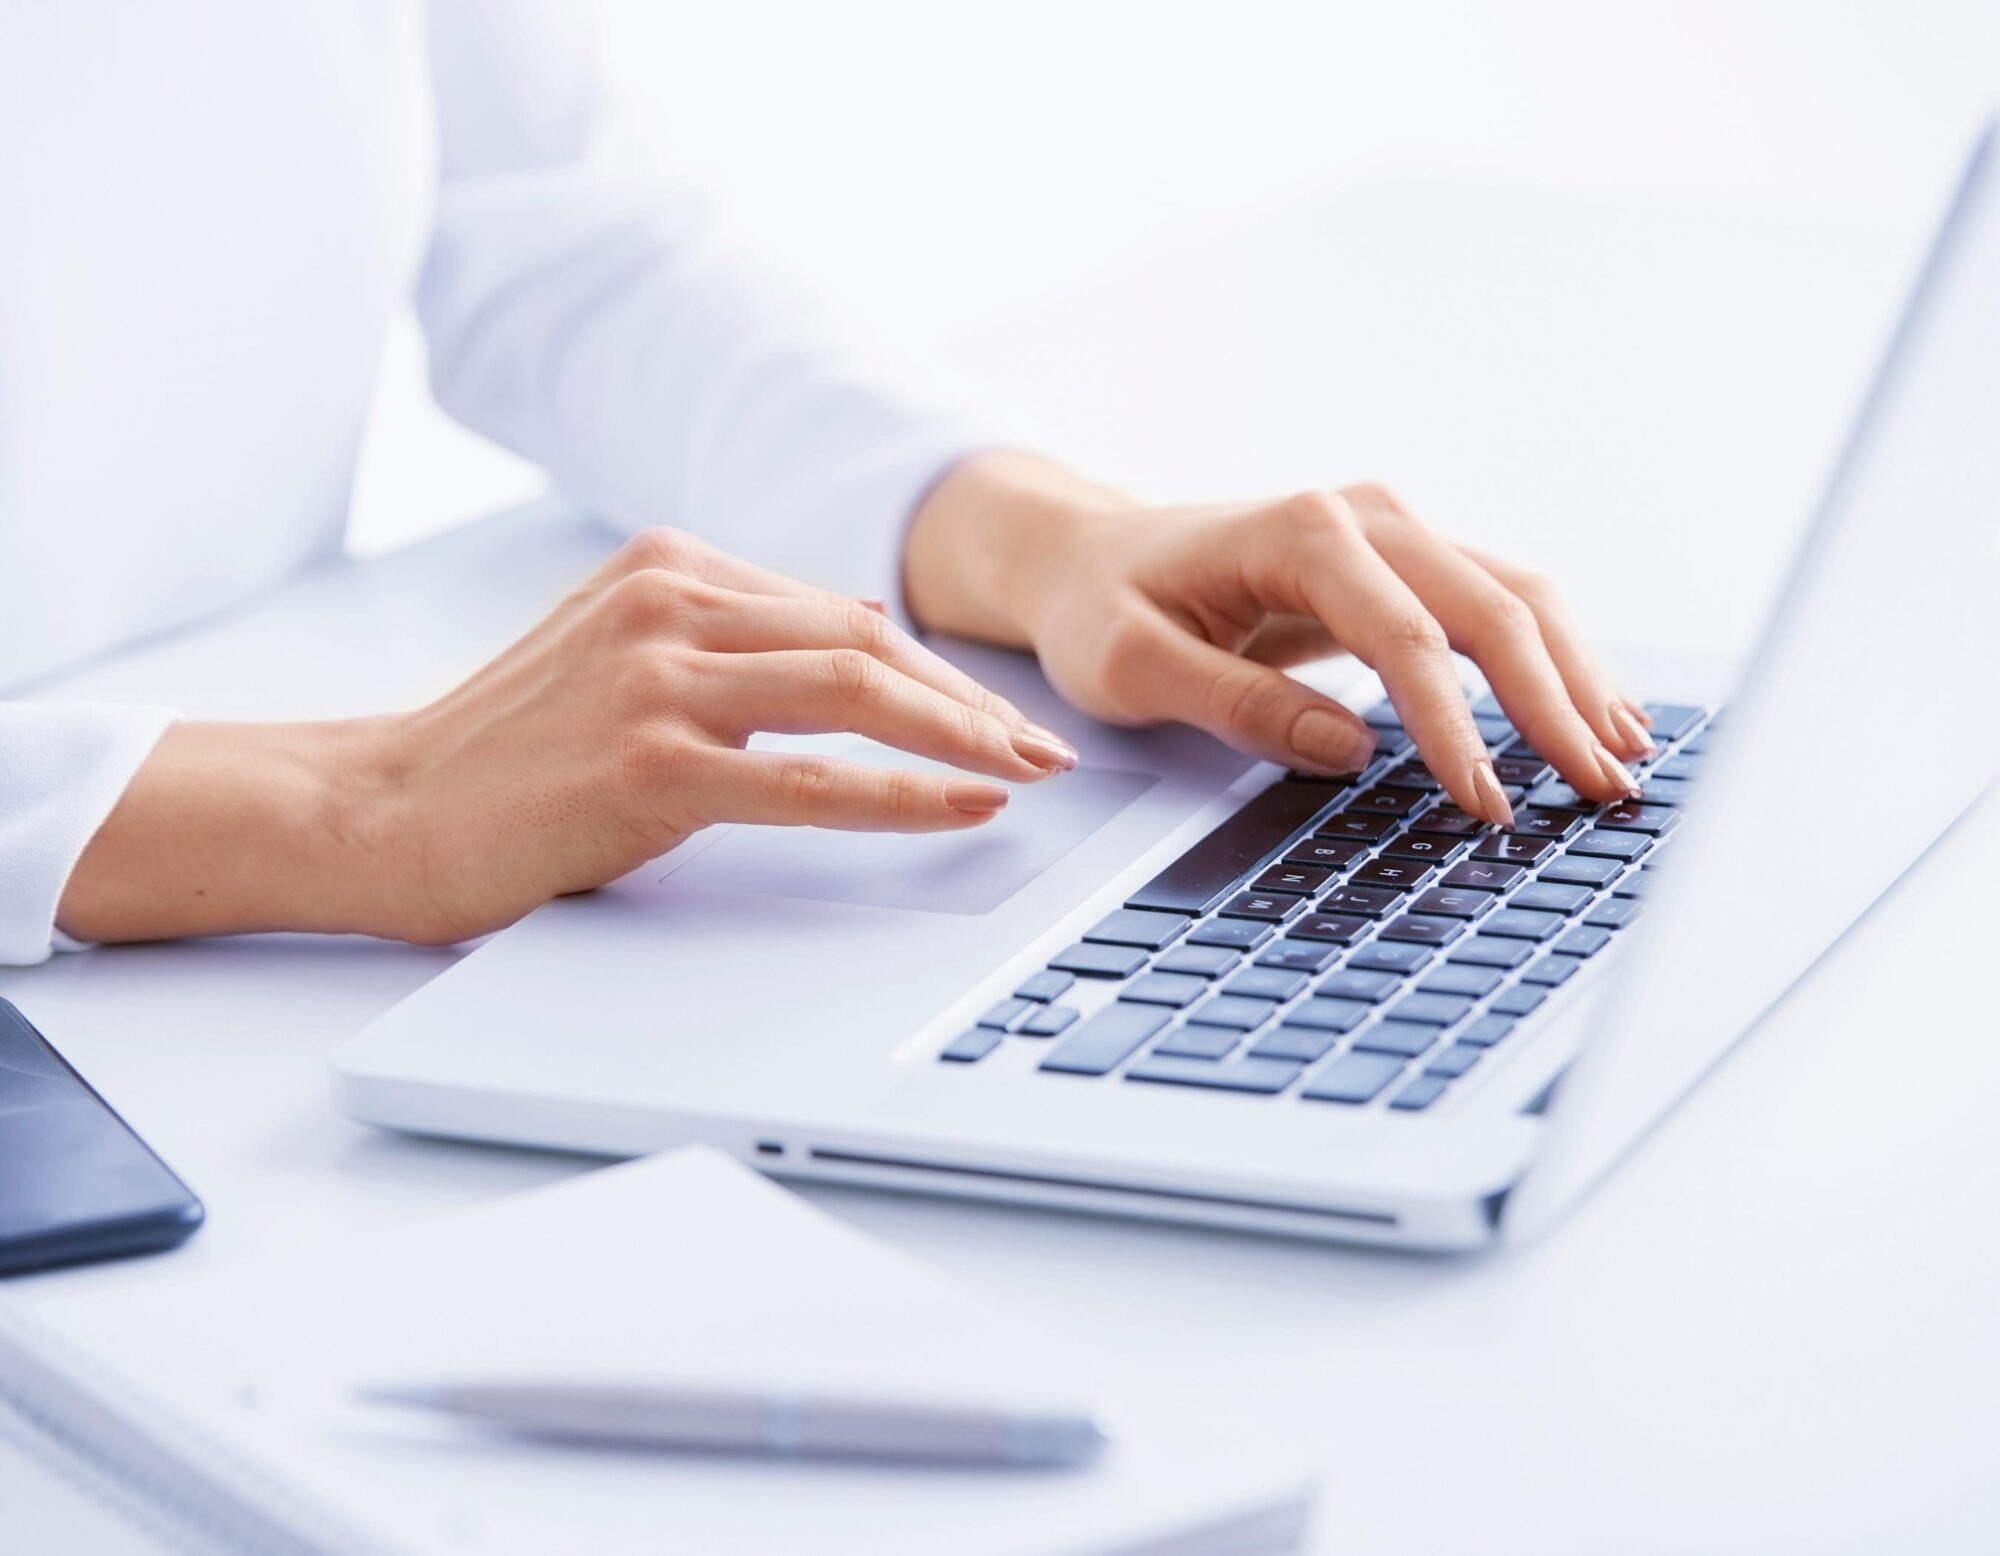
(1165, 986)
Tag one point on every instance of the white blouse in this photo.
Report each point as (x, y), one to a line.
(209, 214)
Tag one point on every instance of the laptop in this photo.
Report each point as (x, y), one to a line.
(1166, 986)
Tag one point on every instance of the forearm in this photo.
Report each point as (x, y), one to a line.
(983, 545)
(230, 828)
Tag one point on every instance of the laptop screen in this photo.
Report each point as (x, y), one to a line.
(1884, 643)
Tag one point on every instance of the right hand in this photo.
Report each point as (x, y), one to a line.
(604, 737)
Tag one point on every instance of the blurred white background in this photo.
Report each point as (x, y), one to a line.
(1545, 266)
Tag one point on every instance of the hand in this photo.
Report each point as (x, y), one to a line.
(1144, 615)
(599, 741)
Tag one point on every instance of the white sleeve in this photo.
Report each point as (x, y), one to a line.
(63, 765)
(575, 315)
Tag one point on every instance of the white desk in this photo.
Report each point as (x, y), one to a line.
(1772, 1332)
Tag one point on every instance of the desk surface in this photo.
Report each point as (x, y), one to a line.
(1771, 1332)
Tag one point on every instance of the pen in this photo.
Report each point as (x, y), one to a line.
(757, 1421)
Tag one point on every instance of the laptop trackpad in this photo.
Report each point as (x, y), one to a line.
(951, 872)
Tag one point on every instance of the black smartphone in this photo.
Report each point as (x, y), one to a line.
(75, 1182)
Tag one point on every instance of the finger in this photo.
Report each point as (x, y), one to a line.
(1310, 554)
(734, 623)
(675, 551)
(1172, 674)
(788, 789)
(818, 691)
(1619, 723)
(1495, 628)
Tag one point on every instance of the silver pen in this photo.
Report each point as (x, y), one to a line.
(761, 1421)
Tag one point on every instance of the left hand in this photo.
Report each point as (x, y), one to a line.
(1145, 615)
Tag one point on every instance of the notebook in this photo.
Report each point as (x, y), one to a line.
(216, 1414)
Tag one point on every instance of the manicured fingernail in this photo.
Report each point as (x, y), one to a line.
(1325, 741)
(1045, 748)
(1616, 771)
(975, 798)
(1629, 729)
(879, 607)
(1491, 798)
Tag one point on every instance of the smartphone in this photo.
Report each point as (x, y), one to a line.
(76, 1183)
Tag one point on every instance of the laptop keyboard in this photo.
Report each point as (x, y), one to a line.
(1360, 942)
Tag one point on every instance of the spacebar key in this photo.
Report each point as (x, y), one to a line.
(1098, 1046)
(1203, 875)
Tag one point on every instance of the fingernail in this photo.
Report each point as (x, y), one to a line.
(1616, 771)
(1324, 740)
(1045, 748)
(879, 607)
(974, 798)
(1630, 730)
(1639, 713)
(1487, 782)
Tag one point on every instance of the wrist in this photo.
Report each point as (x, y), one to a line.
(990, 544)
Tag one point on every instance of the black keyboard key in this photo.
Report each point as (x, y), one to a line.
(1682, 767)
(1514, 848)
(1494, 729)
(1358, 824)
(1487, 951)
(1383, 716)
(1425, 848)
(1518, 1001)
(1553, 824)
(1367, 901)
(1203, 1042)
(1483, 875)
(1267, 906)
(1302, 1045)
(1454, 1061)
(1006, 1013)
(1332, 928)
(1332, 854)
(1615, 914)
(1412, 775)
(1359, 983)
(1395, 874)
(1251, 1073)
(1671, 720)
(1423, 929)
(1044, 985)
(1391, 956)
(1298, 880)
(1100, 1043)
(1545, 896)
(1581, 870)
(1552, 971)
(1237, 934)
(1452, 902)
(1655, 790)
(1198, 961)
(1520, 924)
(1419, 1094)
(1486, 1031)
(1354, 1077)
(1463, 978)
(969, 1047)
(1158, 988)
(1392, 742)
(1208, 871)
(1099, 961)
(1554, 794)
(1293, 955)
(1327, 1015)
(1523, 771)
(1406, 1039)
(1047, 1021)
(1631, 816)
(1130, 926)
(1624, 846)
(1228, 1010)
(1487, 706)
(1638, 884)
(1432, 1010)
(1265, 983)
(1447, 821)
(1519, 750)
(1385, 802)
(1584, 940)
